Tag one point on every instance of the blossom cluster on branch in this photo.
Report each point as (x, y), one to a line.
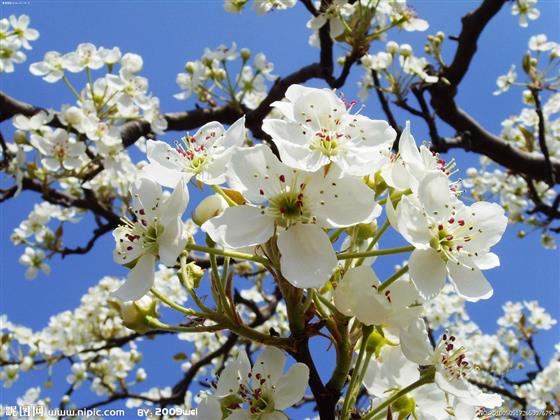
(287, 247)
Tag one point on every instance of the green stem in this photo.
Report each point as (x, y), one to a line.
(191, 292)
(393, 278)
(375, 239)
(226, 197)
(157, 324)
(375, 252)
(422, 381)
(65, 80)
(355, 374)
(223, 252)
(172, 304)
(336, 234)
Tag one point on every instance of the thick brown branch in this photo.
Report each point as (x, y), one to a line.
(483, 142)
(473, 25)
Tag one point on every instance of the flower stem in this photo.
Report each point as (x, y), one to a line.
(375, 239)
(172, 304)
(393, 278)
(426, 379)
(223, 252)
(355, 374)
(65, 79)
(222, 193)
(375, 252)
(156, 324)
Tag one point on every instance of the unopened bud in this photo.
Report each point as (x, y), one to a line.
(366, 231)
(375, 343)
(392, 47)
(192, 275)
(245, 54)
(20, 137)
(190, 67)
(405, 50)
(134, 314)
(526, 63)
(341, 60)
(208, 208)
(405, 406)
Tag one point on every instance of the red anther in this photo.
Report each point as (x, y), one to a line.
(459, 247)
(142, 212)
(449, 237)
(461, 222)
(440, 227)
(283, 210)
(261, 192)
(144, 222)
(129, 248)
(282, 178)
(444, 337)
(449, 347)
(452, 338)
(387, 293)
(451, 220)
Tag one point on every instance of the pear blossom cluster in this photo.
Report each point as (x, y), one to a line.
(261, 7)
(526, 10)
(522, 132)
(286, 212)
(241, 252)
(212, 79)
(411, 68)
(15, 35)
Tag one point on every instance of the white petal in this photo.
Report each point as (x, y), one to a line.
(209, 408)
(308, 259)
(235, 373)
(356, 295)
(489, 222)
(164, 176)
(240, 226)
(269, 366)
(256, 169)
(291, 387)
(486, 260)
(470, 283)
(412, 224)
(176, 204)
(172, 242)
(427, 272)
(434, 193)
(139, 281)
(415, 343)
(341, 202)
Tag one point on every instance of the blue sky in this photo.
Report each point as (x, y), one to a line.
(167, 34)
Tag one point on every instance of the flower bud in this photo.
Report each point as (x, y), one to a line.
(341, 60)
(405, 50)
(141, 375)
(190, 67)
(134, 314)
(366, 231)
(405, 406)
(20, 137)
(367, 61)
(194, 274)
(526, 63)
(375, 343)
(72, 115)
(208, 208)
(132, 63)
(392, 47)
(245, 54)
(440, 35)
